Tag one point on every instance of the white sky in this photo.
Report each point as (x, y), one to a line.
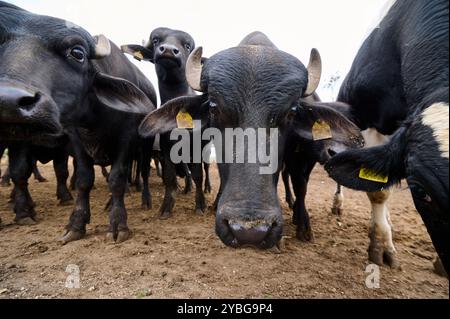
(336, 28)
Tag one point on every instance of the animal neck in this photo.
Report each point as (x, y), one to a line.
(172, 85)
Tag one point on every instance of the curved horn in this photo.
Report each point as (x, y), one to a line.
(314, 72)
(194, 69)
(103, 46)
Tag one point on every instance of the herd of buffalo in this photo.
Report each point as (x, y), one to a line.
(64, 92)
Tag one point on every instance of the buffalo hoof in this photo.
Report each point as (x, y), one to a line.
(208, 189)
(290, 202)
(337, 211)
(439, 268)
(380, 257)
(146, 204)
(380, 252)
(41, 179)
(305, 236)
(70, 236)
(121, 237)
(165, 215)
(27, 221)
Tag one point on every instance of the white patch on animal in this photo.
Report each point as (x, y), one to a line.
(380, 221)
(436, 117)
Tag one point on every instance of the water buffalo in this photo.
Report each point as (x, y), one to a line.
(56, 78)
(249, 87)
(169, 50)
(398, 93)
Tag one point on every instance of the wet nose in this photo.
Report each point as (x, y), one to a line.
(13, 98)
(169, 49)
(250, 233)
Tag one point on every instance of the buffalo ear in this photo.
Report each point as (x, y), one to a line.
(139, 52)
(315, 121)
(372, 169)
(121, 95)
(164, 119)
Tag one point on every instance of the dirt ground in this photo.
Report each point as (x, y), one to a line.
(183, 258)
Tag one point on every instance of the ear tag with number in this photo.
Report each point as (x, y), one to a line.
(321, 131)
(138, 55)
(373, 176)
(184, 120)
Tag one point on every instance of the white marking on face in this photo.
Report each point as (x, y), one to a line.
(373, 138)
(436, 117)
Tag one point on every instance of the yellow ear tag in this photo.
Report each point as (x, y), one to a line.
(138, 55)
(373, 176)
(184, 120)
(321, 131)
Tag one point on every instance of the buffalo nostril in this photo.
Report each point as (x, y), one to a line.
(27, 102)
(176, 51)
(250, 233)
(162, 48)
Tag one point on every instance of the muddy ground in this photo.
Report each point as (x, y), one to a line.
(183, 258)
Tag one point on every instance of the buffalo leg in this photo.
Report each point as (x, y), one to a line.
(138, 173)
(2, 150)
(287, 187)
(158, 167)
(338, 201)
(60, 163)
(118, 179)
(6, 178)
(381, 248)
(105, 173)
(197, 175)
(300, 177)
(169, 180)
(81, 214)
(73, 180)
(146, 168)
(21, 170)
(187, 179)
(208, 188)
(37, 175)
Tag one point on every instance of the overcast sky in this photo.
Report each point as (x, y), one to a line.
(336, 28)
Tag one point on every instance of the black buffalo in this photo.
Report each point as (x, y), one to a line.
(169, 50)
(56, 78)
(254, 85)
(398, 86)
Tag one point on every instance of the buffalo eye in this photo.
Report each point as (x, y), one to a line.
(188, 47)
(155, 41)
(78, 54)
